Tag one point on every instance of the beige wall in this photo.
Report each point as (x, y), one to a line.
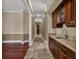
(15, 25)
(33, 27)
(12, 23)
(42, 26)
(26, 22)
(49, 23)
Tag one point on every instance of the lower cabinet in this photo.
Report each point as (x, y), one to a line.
(68, 57)
(52, 46)
(59, 51)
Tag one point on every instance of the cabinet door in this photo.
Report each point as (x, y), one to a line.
(54, 17)
(50, 43)
(67, 8)
(74, 10)
(70, 12)
(56, 52)
(59, 53)
(68, 56)
(53, 48)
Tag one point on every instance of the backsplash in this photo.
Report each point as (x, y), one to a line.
(71, 32)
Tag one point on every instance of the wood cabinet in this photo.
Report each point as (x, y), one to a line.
(68, 57)
(60, 51)
(70, 12)
(64, 13)
(58, 16)
(52, 46)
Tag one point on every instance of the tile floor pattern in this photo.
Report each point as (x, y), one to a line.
(38, 50)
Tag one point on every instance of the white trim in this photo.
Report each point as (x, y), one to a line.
(30, 3)
(15, 41)
(12, 11)
(15, 33)
(26, 41)
(30, 29)
(27, 5)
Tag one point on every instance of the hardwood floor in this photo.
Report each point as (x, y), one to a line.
(14, 50)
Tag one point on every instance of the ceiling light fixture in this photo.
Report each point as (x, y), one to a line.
(38, 15)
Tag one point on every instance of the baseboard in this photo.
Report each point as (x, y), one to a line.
(15, 41)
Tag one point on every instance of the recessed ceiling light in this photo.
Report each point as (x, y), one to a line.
(38, 15)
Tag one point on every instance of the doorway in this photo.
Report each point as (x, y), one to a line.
(38, 29)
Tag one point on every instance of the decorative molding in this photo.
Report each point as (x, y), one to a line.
(30, 4)
(12, 11)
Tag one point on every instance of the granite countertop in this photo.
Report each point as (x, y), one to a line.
(66, 42)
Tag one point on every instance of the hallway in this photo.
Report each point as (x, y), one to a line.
(39, 29)
(38, 50)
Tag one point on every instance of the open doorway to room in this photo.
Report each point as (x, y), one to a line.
(38, 25)
(38, 28)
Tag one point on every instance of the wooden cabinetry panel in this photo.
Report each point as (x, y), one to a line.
(56, 16)
(54, 19)
(52, 46)
(70, 12)
(61, 54)
(56, 52)
(60, 51)
(68, 56)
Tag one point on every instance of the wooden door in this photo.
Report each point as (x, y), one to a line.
(38, 29)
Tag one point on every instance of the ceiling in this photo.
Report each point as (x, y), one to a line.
(12, 5)
(41, 5)
(37, 6)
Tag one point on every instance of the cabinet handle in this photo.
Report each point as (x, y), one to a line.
(64, 55)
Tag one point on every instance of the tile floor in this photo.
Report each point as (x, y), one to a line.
(38, 50)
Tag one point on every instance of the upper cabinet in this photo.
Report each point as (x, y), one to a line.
(70, 12)
(58, 16)
(64, 13)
